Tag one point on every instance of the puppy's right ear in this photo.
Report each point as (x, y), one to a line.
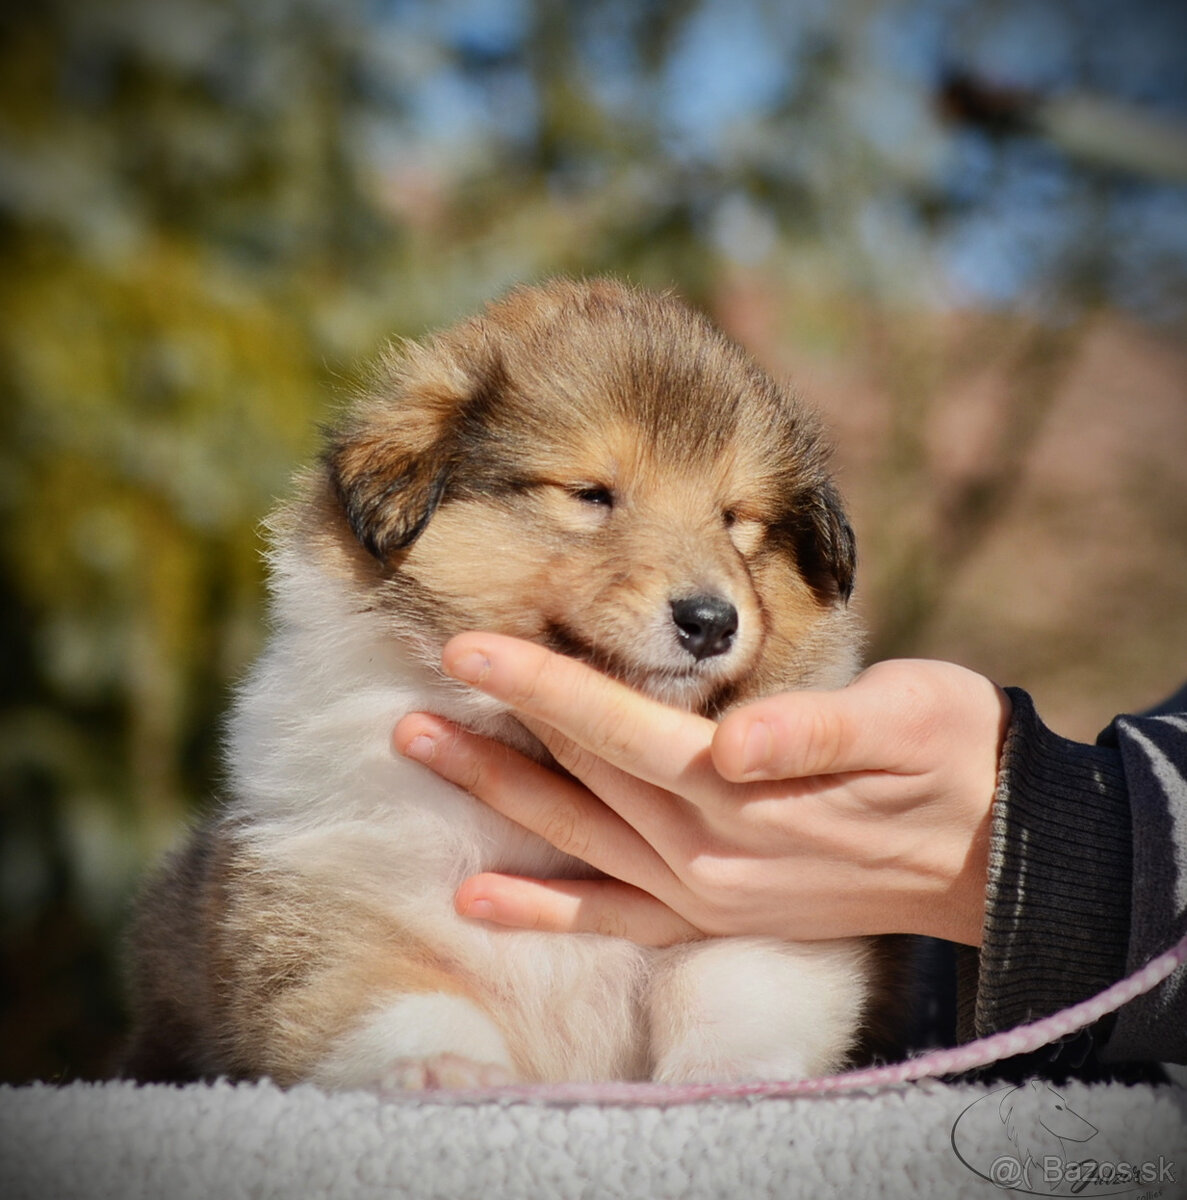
(392, 462)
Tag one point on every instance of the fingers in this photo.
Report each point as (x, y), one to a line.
(603, 717)
(605, 906)
(570, 818)
(559, 810)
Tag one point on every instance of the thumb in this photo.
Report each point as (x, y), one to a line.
(801, 734)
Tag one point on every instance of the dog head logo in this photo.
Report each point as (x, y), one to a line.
(1019, 1138)
(1038, 1122)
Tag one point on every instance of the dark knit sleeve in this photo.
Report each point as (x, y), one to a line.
(1087, 881)
(1154, 754)
(1057, 905)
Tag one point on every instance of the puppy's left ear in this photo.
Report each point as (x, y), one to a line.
(392, 463)
(387, 496)
(823, 541)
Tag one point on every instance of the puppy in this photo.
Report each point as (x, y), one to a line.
(589, 466)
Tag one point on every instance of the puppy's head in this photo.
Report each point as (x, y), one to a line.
(601, 470)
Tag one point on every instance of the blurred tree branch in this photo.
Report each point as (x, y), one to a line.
(1096, 129)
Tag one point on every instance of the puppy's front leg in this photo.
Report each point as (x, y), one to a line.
(734, 1009)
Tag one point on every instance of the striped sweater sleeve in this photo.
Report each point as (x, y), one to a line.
(1154, 756)
(1087, 880)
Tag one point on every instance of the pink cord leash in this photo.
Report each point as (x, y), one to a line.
(934, 1064)
(1022, 1040)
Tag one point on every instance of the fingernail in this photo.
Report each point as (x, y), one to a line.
(420, 748)
(470, 668)
(757, 747)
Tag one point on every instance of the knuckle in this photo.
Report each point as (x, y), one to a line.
(612, 731)
(478, 767)
(920, 698)
(610, 923)
(530, 688)
(574, 758)
(470, 776)
(713, 878)
(562, 828)
(544, 920)
(822, 741)
(473, 774)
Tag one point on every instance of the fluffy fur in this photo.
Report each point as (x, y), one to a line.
(586, 465)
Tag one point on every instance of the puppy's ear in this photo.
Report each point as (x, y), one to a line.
(387, 497)
(823, 542)
(391, 464)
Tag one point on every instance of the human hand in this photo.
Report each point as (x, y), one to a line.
(804, 815)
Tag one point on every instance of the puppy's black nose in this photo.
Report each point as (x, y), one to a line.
(705, 625)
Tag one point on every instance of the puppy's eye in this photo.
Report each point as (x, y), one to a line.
(599, 497)
(729, 517)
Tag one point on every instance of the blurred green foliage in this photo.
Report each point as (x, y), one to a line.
(210, 210)
(173, 257)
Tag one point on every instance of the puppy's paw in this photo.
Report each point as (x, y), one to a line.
(441, 1072)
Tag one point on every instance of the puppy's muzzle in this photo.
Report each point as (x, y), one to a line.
(705, 624)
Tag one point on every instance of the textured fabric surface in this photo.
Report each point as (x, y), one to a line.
(117, 1141)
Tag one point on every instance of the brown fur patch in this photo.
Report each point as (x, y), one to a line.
(244, 970)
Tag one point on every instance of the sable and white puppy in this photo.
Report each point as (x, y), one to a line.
(589, 466)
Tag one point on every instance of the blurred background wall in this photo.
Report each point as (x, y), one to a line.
(960, 228)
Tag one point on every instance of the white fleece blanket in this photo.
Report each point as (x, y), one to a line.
(118, 1141)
